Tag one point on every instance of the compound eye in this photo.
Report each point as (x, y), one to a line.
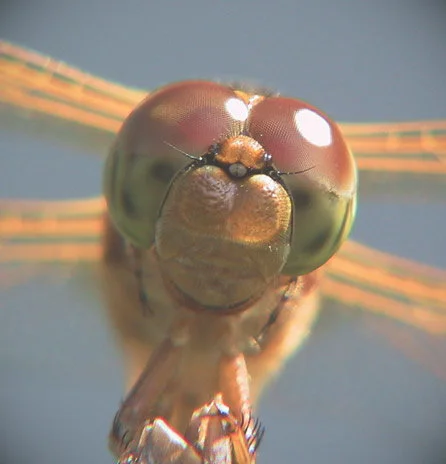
(308, 148)
(182, 118)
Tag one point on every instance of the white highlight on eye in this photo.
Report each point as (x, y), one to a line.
(313, 127)
(237, 109)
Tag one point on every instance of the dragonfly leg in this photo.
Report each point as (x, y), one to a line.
(213, 435)
(141, 431)
(159, 443)
(234, 385)
(147, 399)
(220, 431)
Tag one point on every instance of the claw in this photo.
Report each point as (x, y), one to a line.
(213, 436)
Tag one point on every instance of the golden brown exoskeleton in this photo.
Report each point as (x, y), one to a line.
(222, 206)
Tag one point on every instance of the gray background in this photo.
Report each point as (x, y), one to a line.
(348, 397)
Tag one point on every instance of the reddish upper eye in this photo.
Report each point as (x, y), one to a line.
(190, 115)
(185, 117)
(300, 137)
(303, 140)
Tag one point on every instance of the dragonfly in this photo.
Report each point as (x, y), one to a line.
(44, 96)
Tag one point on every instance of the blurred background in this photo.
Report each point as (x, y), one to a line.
(348, 396)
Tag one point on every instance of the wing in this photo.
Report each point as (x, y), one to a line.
(47, 97)
(41, 236)
(402, 158)
(385, 284)
(399, 289)
(65, 233)
(43, 96)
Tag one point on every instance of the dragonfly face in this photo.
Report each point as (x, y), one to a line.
(235, 191)
(271, 188)
(241, 147)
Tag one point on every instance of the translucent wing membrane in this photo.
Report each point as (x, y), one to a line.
(68, 232)
(416, 146)
(45, 93)
(399, 289)
(400, 158)
(388, 285)
(59, 232)
(45, 96)
(39, 237)
(42, 96)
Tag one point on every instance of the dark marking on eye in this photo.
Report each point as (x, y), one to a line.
(128, 205)
(319, 241)
(161, 171)
(301, 199)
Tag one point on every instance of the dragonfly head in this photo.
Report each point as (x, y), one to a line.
(232, 188)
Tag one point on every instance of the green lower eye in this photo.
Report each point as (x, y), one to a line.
(319, 228)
